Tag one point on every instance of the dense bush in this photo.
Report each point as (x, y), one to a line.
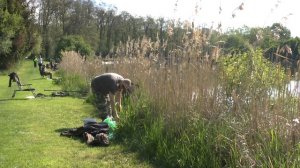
(17, 33)
(248, 71)
(72, 43)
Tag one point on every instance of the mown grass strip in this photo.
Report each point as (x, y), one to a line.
(30, 129)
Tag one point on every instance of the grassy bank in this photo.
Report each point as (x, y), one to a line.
(190, 115)
(30, 129)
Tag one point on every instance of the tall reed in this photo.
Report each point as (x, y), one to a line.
(187, 114)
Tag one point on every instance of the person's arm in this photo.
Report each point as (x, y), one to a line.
(112, 105)
(119, 97)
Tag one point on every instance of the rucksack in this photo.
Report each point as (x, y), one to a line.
(92, 133)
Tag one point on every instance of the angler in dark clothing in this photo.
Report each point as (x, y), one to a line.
(43, 72)
(13, 77)
(108, 87)
(40, 61)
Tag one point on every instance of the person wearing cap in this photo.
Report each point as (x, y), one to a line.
(108, 88)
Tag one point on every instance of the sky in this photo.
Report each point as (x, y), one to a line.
(255, 13)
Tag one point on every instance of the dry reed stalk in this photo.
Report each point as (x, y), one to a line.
(187, 89)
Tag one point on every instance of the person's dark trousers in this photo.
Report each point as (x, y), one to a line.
(40, 69)
(102, 103)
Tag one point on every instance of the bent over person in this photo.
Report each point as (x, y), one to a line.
(13, 77)
(108, 87)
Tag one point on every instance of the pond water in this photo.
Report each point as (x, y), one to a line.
(292, 88)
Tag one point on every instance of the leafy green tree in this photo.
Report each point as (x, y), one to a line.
(294, 43)
(16, 29)
(8, 29)
(66, 17)
(100, 21)
(250, 71)
(104, 28)
(236, 42)
(151, 28)
(73, 43)
(280, 31)
(45, 15)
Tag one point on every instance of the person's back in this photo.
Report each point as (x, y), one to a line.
(106, 83)
(108, 87)
(13, 77)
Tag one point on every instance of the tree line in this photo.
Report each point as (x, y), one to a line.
(32, 27)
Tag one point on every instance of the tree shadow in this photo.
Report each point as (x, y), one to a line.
(38, 78)
(12, 99)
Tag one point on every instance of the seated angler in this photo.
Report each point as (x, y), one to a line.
(43, 72)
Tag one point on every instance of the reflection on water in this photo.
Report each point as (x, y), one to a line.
(292, 88)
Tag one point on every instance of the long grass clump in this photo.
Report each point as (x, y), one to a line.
(196, 118)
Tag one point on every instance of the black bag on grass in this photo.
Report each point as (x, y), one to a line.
(93, 133)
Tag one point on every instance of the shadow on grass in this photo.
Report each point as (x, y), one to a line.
(74, 137)
(41, 78)
(38, 96)
(140, 155)
(62, 129)
(9, 99)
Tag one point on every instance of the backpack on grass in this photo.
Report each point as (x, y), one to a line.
(92, 133)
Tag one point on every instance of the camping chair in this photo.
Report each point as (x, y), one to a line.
(13, 77)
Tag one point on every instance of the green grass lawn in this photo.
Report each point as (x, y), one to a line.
(30, 129)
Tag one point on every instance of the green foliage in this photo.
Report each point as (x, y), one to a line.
(295, 47)
(250, 70)
(73, 82)
(200, 144)
(72, 43)
(236, 42)
(280, 31)
(272, 150)
(15, 25)
(37, 44)
(206, 131)
(9, 25)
